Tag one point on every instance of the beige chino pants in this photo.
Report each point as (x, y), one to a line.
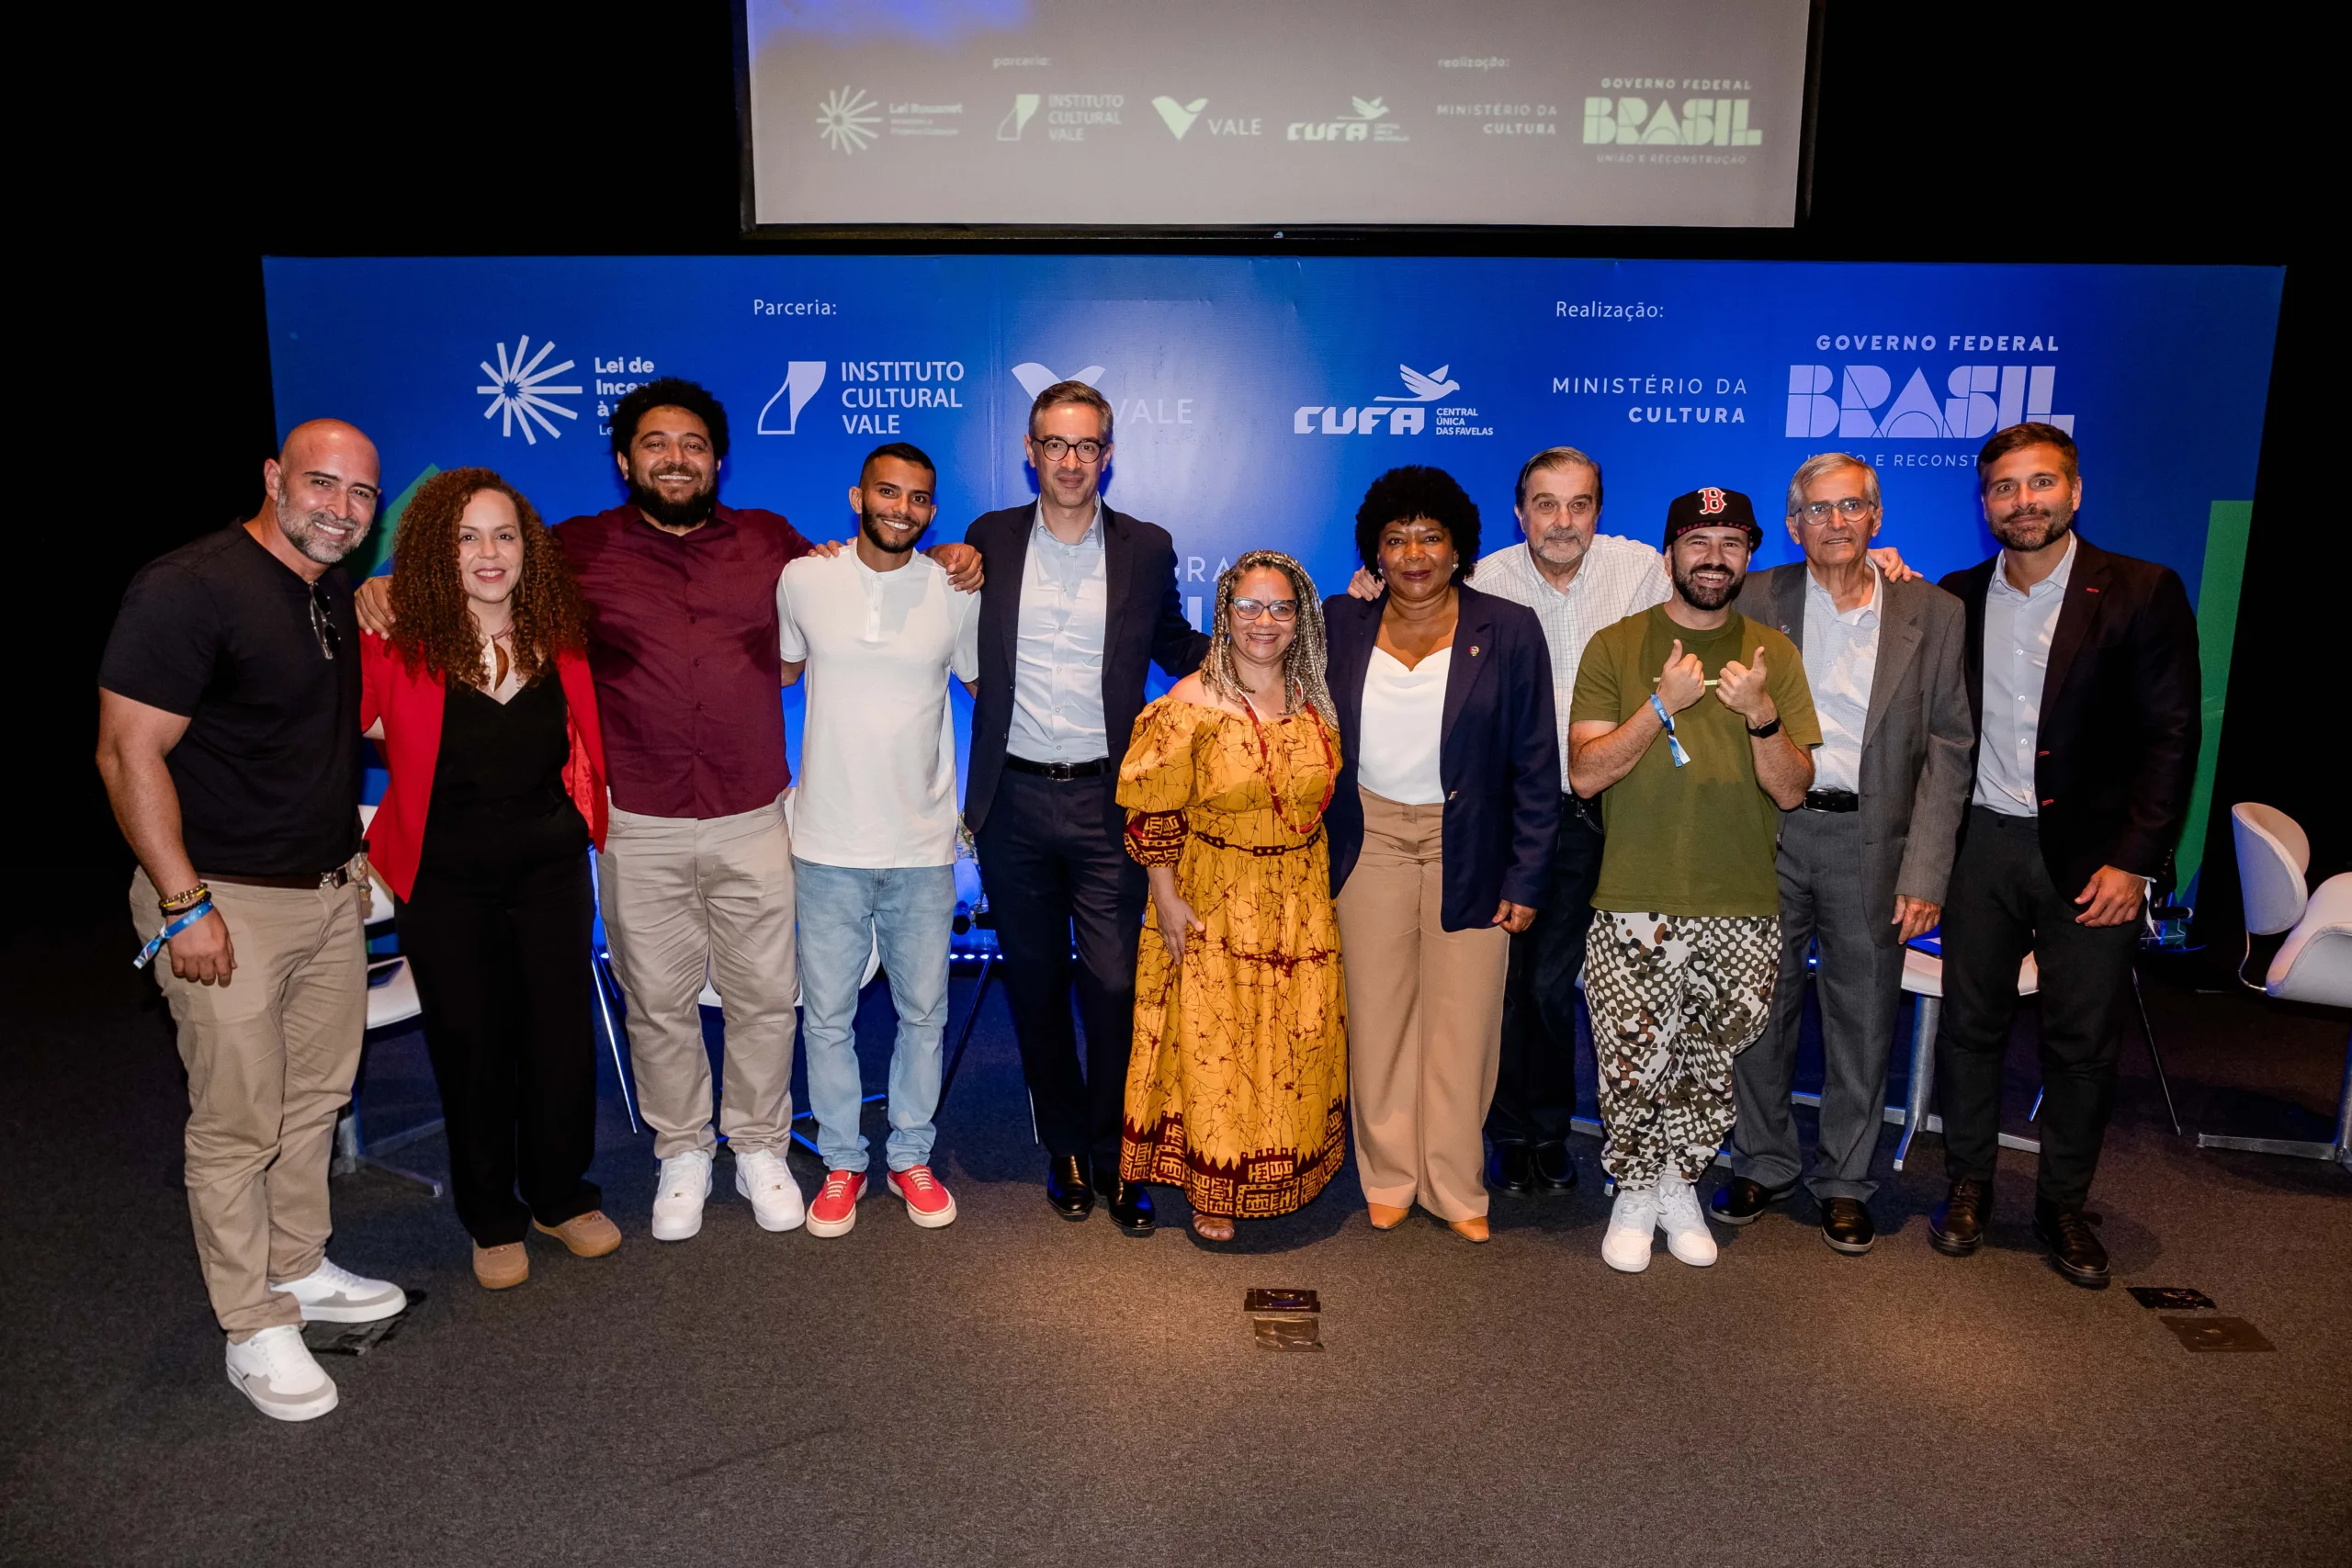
(270, 1057)
(1425, 1019)
(679, 894)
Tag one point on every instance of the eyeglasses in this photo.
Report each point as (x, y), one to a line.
(1849, 507)
(1090, 451)
(1283, 611)
(322, 624)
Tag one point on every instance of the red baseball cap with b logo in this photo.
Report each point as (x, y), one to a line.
(1712, 507)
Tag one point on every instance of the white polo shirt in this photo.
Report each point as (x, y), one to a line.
(876, 786)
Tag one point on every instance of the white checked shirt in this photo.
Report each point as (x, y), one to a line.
(1841, 661)
(1620, 578)
(1058, 658)
(2018, 629)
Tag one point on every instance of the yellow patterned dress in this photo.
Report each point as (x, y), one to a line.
(1236, 1086)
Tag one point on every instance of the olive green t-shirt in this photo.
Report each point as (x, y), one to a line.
(1697, 839)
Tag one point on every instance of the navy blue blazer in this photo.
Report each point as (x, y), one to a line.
(1142, 625)
(1498, 758)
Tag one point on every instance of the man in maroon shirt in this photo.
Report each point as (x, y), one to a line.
(697, 868)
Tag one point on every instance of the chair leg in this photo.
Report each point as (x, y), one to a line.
(597, 975)
(1926, 1013)
(2155, 1059)
(979, 994)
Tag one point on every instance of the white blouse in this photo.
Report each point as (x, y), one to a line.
(1404, 719)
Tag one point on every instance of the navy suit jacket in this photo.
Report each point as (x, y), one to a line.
(1498, 758)
(1143, 623)
(2116, 752)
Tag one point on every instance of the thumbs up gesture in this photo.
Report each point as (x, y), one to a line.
(1743, 689)
(1683, 679)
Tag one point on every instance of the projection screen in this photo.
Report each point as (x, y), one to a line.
(1253, 113)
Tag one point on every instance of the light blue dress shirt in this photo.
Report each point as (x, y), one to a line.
(1058, 658)
(2017, 630)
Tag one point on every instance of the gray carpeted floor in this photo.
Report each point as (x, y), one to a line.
(1019, 1390)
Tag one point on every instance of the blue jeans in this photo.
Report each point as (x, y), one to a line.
(844, 912)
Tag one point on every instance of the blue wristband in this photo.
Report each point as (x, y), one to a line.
(177, 924)
(1673, 743)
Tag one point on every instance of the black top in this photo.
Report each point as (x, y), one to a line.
(498, 795)
(1143, 623)
(1498, 752)
(225, 634)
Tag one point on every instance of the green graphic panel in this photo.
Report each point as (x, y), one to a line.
(376, 555)
(2226, 528)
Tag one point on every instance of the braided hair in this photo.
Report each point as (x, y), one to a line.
(1304, 683)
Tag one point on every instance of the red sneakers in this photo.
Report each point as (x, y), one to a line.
(929, 1205)
(835, 1209)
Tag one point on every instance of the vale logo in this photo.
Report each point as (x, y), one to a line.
(802, 377)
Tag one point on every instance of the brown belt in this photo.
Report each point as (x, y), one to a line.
(340, 877)
(1262, 851)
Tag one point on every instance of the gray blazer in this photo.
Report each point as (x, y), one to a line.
(1918, 742)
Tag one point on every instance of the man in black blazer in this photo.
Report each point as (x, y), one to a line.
(2082, 667)
(1079, 599)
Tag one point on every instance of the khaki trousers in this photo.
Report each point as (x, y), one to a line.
(1425, 1019)
(679, 894)
(270, 1058)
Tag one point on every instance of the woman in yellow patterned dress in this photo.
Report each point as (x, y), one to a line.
(1236, 1089)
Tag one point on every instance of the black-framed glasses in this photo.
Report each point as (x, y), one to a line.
(1849, 507)
(1283, 611)
(1090, 451)
(322, 624)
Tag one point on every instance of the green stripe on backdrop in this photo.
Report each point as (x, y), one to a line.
(378, 548)
(2217, 626)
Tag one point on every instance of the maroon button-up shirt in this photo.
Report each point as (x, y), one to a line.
(682, 641)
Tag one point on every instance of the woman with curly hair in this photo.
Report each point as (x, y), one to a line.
(483, 700)
(1236, 1086)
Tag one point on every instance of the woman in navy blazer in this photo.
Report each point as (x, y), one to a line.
(1442, 826)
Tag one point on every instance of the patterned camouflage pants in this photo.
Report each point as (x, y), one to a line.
(1674, 999)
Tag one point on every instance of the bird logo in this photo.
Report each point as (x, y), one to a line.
(1426, 388)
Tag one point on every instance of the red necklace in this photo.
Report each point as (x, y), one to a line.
(1266, 758)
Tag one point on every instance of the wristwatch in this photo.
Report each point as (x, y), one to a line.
(1768, 731)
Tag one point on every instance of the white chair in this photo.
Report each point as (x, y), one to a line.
(1923, 976)
(392, 1002)
(2314, 963)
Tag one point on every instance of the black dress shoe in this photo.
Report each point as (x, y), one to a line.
(1744, 1202)
(2074, 1249)
(1130, 1205)
(1070, 1188)
(1846, 1226)
(1511, 1168)
(1554, 1171)
(1956, 1228)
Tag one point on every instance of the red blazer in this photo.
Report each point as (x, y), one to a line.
(411, 707)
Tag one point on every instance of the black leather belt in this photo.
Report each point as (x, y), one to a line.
(1061, 772)
(1832, 800)
(340, 877)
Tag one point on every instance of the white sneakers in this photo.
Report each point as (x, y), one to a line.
(1672, 1206)
(762, 1176)
(1633, 1219)
(332, 1293)
(678, 1197)
(274, 1369)
(1686, 1236)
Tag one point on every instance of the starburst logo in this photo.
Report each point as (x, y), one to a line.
(519, 393)
(846, 119)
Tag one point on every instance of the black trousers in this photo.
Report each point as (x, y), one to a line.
(1535, 1092)
(501, 965)
(1051, 869)
(2001, 906)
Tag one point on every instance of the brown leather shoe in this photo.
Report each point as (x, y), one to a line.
(502, 1268)
(1956, 1226)
(585, 1236)
(1471, 1229)
(1384, 1218)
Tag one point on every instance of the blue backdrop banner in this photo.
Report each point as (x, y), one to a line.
(1256, 397)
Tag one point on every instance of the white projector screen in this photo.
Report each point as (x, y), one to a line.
(1246, 113)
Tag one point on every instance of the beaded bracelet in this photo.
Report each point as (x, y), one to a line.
(187, 900)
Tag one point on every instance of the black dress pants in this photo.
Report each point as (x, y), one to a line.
(502, 963)
(1052, 870)
(2001, 906)
(1535, 1092)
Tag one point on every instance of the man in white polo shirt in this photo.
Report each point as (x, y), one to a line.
(878, 632)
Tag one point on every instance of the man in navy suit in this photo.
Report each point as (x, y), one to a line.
(1080, 599)
(2082, 667)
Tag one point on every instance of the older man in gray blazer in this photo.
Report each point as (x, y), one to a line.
(1863, 862)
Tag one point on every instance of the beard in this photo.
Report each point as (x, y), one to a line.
(1560, 548)
(871, 526)
(311, 533)
(690, 512)
(2032, 528)
(1700, 596)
